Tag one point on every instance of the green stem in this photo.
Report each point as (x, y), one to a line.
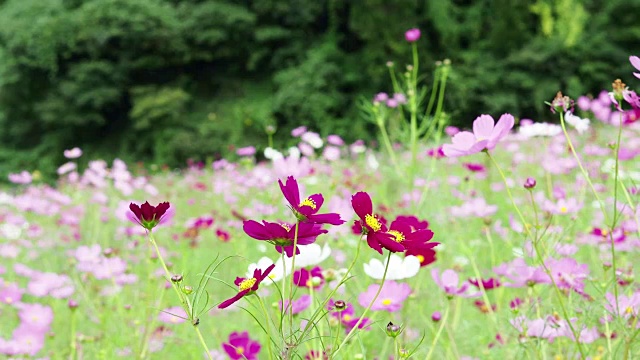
(182, 297)
(73, 344)
(576, 335)
(326, 300)
(355, 327)
(267, 325)
(293, 268)
(434, 342)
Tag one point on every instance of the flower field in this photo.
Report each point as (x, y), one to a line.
(507, 241)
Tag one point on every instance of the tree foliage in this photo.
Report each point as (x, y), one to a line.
(165, 80)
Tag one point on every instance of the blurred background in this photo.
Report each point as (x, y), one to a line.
(163, 81)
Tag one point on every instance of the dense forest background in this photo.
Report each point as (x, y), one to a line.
(162, 81)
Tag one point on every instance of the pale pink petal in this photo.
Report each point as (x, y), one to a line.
(450, 278)
(483, 127)
(635, 61)
(463, 140)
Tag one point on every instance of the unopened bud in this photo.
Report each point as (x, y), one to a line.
(176, 278)
(393, 330)
(196, 322)
(340, 305)
(72, 304)
(436, 316)
(530, 183)
(187, 290)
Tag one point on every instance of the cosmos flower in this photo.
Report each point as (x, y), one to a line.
(283, 235)
(449, 281)
(298, 306)
(149, 216)
(391, 297)
(399, 268)
(247, 286)
(635, 62)
(173, 315)
(412, 35)
(241, 346)
(486, 134)
(376, 231)
(307, 209)
(308, 278)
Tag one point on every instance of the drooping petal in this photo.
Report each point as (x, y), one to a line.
(373, 243)
(388, 242)
(236, 297)
(635, 62)
(332, 218)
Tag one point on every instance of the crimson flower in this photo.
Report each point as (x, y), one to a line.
(487, 284)
(306, 210)
(149, 216)
(425, 255)
(283, 235)
(247, 286)
(308, 278)
(376, 231)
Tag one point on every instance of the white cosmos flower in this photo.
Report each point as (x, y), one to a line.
(399, 268)
(276, 274)
(578, 123)
(539, 129)
(312, 254)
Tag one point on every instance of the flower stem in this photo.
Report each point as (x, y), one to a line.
(183, 299)
(73, 345)
(267, 325)
(355, 327)
(434, 342)
(565, 314)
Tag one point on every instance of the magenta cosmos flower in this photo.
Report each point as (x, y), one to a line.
(410, 238)
(376, 231)
(149, 216)
(307, 209)
(412, 35)
(283, 235)
(450, 283)
(486, 134)
(240, 346)
(247, 286)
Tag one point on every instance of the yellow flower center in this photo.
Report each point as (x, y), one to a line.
(563, 209)
(286, 227)
(346, 317)
(372, 222)
(604, 232)
(420, 258)
(386, 302)
(397, 235)
(309, 283)
(239, 350)
(629, 310)
(308, 202)
(8, 300)
(247, 284)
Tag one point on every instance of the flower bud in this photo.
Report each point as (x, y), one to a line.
(530, 183)
(72, 304)
(404, 354)
(176, 278)
(412, 35)
(196, 322)
(436, 316)
(393, 330)
(187, 290)
(340, 305)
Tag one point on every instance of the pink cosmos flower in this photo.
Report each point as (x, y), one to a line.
(23, 177)
(73, 153)
(520, 274)
(10, 293)
(412, 35)
(391, 297)
(347, 316)
(635, 61)
(246, 151)
(486, 134)
(241, 346)
(298, 306)
(247, 286)
(149, 216)
(173, 315)
(449, 281)
(308, 278)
